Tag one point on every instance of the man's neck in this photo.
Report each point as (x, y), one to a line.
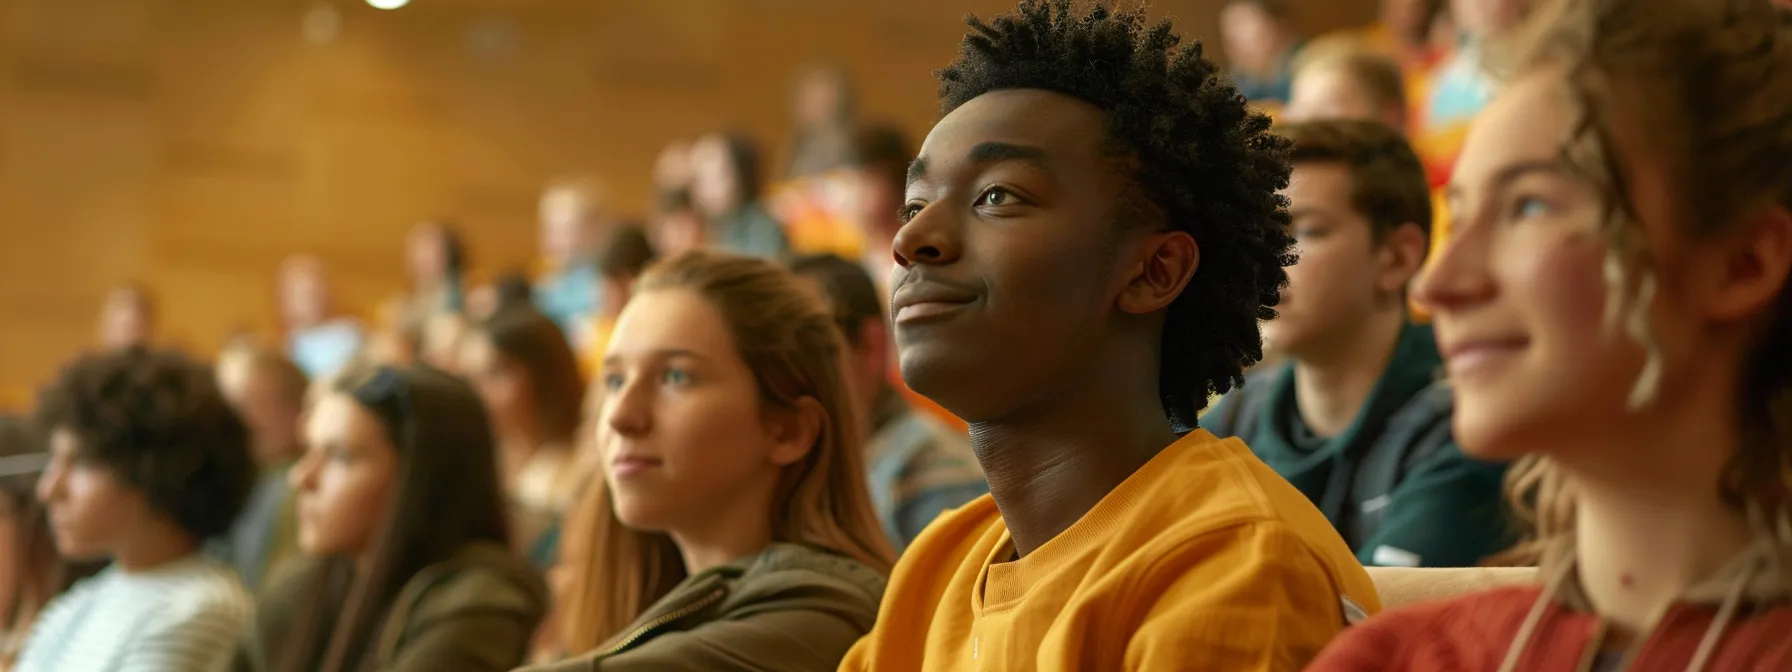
(1330, 387)
(1049, 465)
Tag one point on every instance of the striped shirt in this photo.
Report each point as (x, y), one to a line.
(184, 616)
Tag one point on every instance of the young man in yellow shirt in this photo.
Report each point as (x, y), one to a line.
(1092, 233)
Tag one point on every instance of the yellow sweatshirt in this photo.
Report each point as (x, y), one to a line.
(1203, 559)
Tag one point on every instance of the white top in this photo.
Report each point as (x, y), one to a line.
(185, 616)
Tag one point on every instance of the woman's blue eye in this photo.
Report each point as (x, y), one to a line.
(677, 377)
(1530, 207)
(612, 381)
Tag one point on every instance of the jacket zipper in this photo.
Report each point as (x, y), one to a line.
(679, 613)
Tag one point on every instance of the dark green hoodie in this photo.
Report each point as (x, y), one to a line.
(790, 608)
(476, 612)
(1393, 483)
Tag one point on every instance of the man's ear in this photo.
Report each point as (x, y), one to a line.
(1402, 254)
(1166, 263)
(794, 431)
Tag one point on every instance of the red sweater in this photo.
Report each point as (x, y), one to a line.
(1471, 634)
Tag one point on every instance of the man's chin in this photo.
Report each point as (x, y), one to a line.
(939, 376)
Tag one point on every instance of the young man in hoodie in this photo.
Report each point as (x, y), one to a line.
(1092, 233)
(1357, 418)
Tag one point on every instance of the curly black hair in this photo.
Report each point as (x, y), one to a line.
(1202, 161)
(157, 421)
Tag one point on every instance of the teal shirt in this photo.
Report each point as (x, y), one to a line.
(1393, 483)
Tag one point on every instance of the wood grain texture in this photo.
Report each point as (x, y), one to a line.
(191, 144)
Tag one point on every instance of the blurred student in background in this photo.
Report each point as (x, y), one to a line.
(31, 573)
(403, 519)
(881, 154)
(916, 466)
(510, 288)
(1357, 418)
(732, 530)
(268, 391)
(1260, 43)
(127, 318)
(823, 107)
(1614, 310)
(1461, 86)
(436, 259)
(626, 256)
(672, 170)
(147, 460)
(444, 338)
(318, 338)
(1336, 79)
(528, 378)
(575, 217)
(680, 227)
(727, 183)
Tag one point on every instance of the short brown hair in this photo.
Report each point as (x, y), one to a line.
(1387, 180)
(627, 253)
(291, 379)
(1379, 75)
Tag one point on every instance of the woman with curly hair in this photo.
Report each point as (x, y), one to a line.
(1613, 311)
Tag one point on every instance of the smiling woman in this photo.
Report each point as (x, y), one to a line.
(733, 529)
(1613, 310)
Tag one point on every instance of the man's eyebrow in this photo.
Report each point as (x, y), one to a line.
(992, 152)
(988, 152)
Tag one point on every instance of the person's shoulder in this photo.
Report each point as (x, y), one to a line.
(203, 591)
(482, 576)
(1207, 482)
(1236, 410)
(788, 576)
(957, 529)
(65, 605)
(1450, 634)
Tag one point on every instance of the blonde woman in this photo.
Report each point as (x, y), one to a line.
(1613, 309)
(732, 529)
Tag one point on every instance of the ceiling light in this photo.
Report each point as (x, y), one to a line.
(388, 4)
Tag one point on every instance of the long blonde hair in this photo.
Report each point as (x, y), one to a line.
(1716, 81)
(788, 339)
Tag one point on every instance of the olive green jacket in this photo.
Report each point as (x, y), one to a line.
(788, 609)
(475, 612)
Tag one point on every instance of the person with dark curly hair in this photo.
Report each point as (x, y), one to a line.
(1093, 233)
(31, 573)
(146, 461)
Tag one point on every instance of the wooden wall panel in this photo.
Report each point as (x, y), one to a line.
(192, 144)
